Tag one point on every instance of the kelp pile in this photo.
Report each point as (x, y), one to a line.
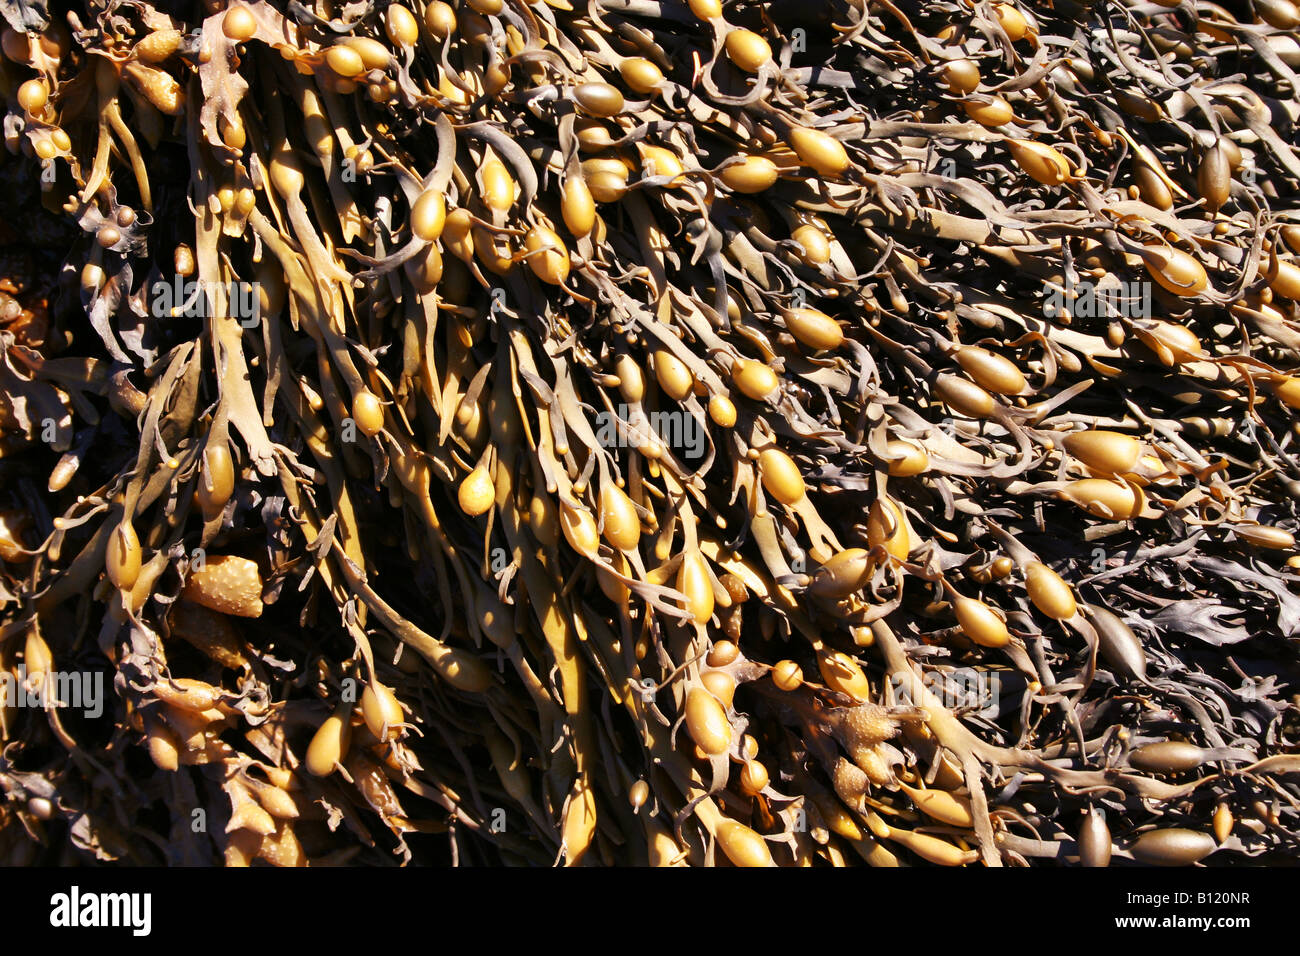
(640, 431)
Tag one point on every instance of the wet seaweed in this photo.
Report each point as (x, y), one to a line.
(643, 432)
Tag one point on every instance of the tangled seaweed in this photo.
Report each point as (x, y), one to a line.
(633, 431)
